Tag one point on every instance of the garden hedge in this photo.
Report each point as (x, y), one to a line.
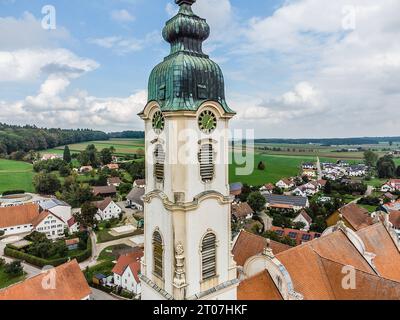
(39, 262)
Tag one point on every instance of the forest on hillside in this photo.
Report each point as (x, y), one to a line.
(31, 138)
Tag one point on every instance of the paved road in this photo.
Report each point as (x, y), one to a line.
(319, 169)
(101, 295)
(369, 191)
(266, 219)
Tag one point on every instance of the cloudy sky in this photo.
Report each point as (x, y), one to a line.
(293, 68)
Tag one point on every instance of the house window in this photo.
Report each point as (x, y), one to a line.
(158, 254)
(209, 256)
(206, 160)
(159, 160)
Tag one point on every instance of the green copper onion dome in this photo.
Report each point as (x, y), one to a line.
(187, 77)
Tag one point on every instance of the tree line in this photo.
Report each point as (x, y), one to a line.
(31, 138)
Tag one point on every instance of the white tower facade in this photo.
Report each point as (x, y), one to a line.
(187, 207)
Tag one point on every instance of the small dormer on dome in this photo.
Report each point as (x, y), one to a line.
(187, 77)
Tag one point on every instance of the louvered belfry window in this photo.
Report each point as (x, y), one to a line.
(159, 157)
(209, 256)
(206, 159)
(157, 254)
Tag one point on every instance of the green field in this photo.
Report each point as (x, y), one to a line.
(277, 167)
(15, 175)
(122, 146)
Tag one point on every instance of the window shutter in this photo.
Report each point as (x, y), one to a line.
(159, 157)
(206, 159)
(157, 254)
(208, 255)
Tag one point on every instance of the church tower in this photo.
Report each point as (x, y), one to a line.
(187, 203)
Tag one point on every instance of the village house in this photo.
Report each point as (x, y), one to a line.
(58, 207)
(354, 216)
(50, 156)
(309, 173)
(285, 184)
(69, 283)
(388, 197)
(306, 190)
(72, 244)
(85, 169)
(304, 218)
(283, 202)
(112, 166)
(241, 211)
(107, 209)
(134, 198)
(104, 191)
(114, 181)
(49, 224)
(314, 270)
(299, 236)
(391, 186)
(357, 170)
(127, 270)
(18, 219)
(139, 183)
(390, 206)
(267, 188)
(73, 226)
(309, 166)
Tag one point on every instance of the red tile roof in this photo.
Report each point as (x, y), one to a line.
(128, 259)
(248, 245)
(18, 215)
(306, 216)
(316, 268)
(69, 284)
(377, 240)
(297, 235)
(241, 210)
(43, 215)
(259, 287)
(356, 216)
(104, 190)
(102, 205)
(71, 222)
(394, 218)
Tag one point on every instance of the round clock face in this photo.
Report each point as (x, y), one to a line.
(207, 121)
(158, 122)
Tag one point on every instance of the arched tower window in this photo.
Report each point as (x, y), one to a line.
(206, 160)
(159, 160)
(209, 256)
(158, 253)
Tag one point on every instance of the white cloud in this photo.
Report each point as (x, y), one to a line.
(356, 71)
(122, 16)
(27, 32)
(30, 64)
(124, 45)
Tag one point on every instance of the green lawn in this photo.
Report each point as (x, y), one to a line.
(15, 175)
(122, 146)
(101, 268)
(368, 207)
(104, 236)
(277, 167)
(105, 255)
(6, 281)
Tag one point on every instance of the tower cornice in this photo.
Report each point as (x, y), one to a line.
(187, 206)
